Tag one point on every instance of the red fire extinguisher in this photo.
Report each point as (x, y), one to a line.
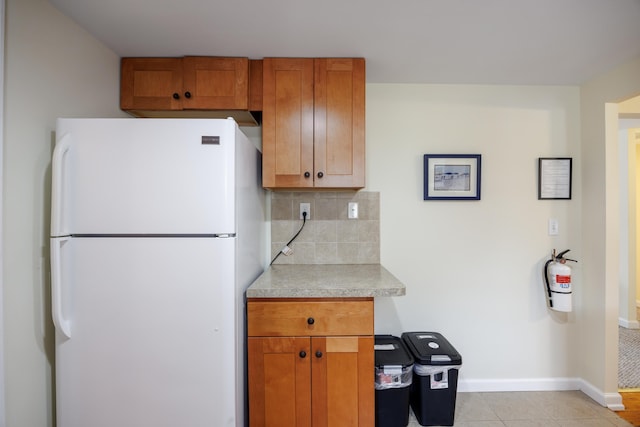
(557, 275)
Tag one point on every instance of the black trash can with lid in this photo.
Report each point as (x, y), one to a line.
(435, 380)
(393, 376)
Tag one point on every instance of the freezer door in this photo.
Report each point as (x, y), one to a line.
(143, 176)
(152, 327)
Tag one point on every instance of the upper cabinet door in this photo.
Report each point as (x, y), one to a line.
(215, 83)
(313, 123)
(287, 123)
(151, 83)
(339, 129)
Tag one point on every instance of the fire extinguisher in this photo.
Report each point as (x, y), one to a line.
(557, 276)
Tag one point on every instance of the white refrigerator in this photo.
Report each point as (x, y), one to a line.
(157, 228)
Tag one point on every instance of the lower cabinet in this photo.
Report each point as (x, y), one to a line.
(320, 376)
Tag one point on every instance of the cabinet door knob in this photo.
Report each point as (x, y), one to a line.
(320, 174)
(303, 354)
(318, 354)
(311, 320)
(176, 96)
(187, 94)
(307, 174)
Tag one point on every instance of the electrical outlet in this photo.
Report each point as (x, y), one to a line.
(305, 207)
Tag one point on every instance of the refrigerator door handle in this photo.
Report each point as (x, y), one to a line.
(57, 183)
(63, 325)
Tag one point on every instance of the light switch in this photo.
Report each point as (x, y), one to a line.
(553, 227)
(353, 210)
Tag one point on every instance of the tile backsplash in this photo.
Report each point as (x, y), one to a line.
(329, 237)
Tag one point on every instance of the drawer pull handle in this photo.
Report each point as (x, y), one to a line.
(318, 354)
(303, 354)
(307, 174)
(311, 320)
(176, 96)
(320, 174)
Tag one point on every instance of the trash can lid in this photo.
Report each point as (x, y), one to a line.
(431, 348)
(390, 350)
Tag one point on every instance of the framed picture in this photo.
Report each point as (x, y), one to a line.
(452, 176)
(554, 178)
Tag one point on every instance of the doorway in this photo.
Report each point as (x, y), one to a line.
(628, 320)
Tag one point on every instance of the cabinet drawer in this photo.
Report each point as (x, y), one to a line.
(309, 318)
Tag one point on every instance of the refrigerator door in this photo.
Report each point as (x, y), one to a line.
(151, 332)
(143, 176)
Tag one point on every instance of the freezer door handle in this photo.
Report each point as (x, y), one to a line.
(57, 183)
(63, 325)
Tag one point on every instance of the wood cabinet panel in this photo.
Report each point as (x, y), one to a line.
(313, 122)
(339, 134)
(193, 86)
(216, 83)
(287, 122)
(308, 379)
(255, 84)
(279, 381)
(342, 382)
(317, 381)
(150, 83)
(283, 318)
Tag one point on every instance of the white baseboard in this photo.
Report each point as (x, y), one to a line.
(629, 324)
(612, 401)
(519, 384)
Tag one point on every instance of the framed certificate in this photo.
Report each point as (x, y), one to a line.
(554, 178)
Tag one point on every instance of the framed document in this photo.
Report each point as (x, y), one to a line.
(554, 178)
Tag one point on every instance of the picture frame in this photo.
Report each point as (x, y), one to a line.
(554, 178)
(452, 176)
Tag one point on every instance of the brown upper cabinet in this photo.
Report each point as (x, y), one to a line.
(192, 86)
(313, 123)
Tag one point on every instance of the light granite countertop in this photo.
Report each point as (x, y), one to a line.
(325, 281)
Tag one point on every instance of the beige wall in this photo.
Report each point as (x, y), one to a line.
(473, 268)
(53, 68)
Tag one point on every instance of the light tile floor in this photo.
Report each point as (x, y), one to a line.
(530, 409)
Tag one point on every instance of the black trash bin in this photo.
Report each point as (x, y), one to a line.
(394, 372)
(435, 380)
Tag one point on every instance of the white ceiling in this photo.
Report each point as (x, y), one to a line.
(537, 42)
